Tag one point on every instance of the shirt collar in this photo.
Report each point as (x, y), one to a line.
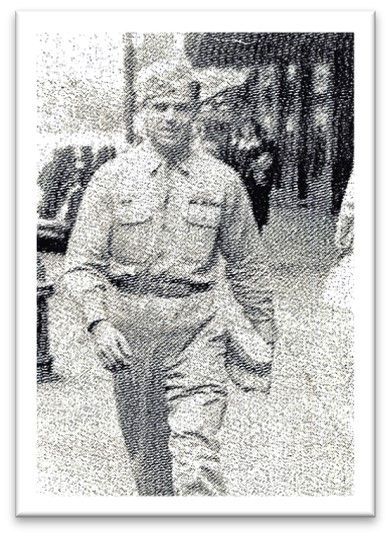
(153, 161)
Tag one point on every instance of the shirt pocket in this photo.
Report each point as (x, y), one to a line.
(133, 233)
(203, 220)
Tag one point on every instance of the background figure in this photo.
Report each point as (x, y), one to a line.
(105, 154)
(250, 153)
(334, 379)
(85, 165)
(339, 285)
(63, 182)
(215, 138)
(255, 158)
(55, 181)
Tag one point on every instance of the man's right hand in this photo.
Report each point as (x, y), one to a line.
(112, 349)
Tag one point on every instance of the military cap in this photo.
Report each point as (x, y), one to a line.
(164, 78)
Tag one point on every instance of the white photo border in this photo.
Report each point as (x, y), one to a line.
(29, 23)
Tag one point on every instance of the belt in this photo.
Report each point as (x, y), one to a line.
(159, 287)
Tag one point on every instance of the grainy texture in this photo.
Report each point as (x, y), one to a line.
(195, 227)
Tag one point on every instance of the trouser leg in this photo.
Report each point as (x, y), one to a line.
(139, 392)
(178, 368)
(197, 399)
(195, 421)
(142, 411)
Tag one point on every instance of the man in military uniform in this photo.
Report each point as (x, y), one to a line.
(144, 262)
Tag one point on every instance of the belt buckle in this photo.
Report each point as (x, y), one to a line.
(174, 289)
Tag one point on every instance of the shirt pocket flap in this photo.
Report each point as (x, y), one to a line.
(132, 212)
(203, 214)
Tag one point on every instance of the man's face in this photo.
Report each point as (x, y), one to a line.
(168, 120)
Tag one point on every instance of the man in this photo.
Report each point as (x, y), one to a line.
(55, 180)
(144, 260)
(85, 165)
(250, 154)
(255, 158)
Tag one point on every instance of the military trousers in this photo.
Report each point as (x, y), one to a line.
(172, 399)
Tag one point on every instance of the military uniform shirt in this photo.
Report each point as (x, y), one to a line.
(140, 217)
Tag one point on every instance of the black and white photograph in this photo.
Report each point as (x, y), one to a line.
(197, 249)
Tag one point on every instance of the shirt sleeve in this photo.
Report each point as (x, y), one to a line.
(246, 267)
(87, 255)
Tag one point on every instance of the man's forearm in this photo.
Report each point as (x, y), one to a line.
(89, 291)
(259, 309)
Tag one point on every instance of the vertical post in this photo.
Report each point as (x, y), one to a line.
(343, 147)
(281, 106)
(304, 156)
(44, 358)
(130, 97)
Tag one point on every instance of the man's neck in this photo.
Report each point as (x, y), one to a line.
(173, 156)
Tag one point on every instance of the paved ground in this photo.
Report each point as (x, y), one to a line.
(294, 441)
